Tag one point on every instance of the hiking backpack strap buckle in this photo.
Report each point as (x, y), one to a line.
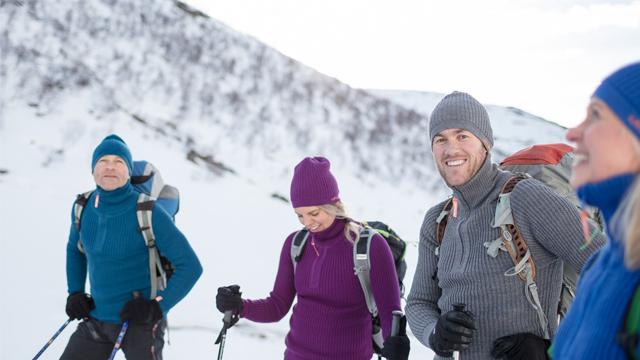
(144, 213)
(297, 245)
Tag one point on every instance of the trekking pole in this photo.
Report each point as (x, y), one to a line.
(457, 307)
(118, 343)
(52, 338)
(123, 331)
(226, 320)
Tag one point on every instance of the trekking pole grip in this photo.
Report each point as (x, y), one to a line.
(227, 317)
(458, 307)
(395, 322)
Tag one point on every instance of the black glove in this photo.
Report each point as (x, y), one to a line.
(523, 346)
(229, 299)
(79, 305)
(397, 347)
(141, 311)
(453, 332)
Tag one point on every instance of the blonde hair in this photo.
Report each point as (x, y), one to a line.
(626, 226)
(352, 229)
(626, 220)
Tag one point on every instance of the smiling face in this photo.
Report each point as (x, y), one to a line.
(458, 154)
(314, 218)
(110, 172)
(604, 146)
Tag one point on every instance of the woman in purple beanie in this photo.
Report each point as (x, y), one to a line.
(605, 175)
(330, 319)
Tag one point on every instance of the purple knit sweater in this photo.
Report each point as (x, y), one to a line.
(330, 319)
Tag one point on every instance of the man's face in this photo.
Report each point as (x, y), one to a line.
(458, 155)
(111, 172)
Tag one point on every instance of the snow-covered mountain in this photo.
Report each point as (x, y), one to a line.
(225, 118)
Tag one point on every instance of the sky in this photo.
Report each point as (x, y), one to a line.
(543, 56)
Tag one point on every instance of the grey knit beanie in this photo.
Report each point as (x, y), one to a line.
(460, 110)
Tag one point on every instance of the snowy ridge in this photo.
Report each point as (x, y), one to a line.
(177, 70)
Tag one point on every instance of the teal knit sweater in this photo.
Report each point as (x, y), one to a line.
(116, 257)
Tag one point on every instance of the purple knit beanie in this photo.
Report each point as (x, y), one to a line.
(621, 92)
(313, 184)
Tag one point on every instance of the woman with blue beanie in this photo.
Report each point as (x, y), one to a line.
(606, 175)
(330, 319)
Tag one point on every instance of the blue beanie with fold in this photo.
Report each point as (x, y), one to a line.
(621, 92)
(112, 145)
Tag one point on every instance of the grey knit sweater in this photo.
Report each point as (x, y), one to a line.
(464, 272)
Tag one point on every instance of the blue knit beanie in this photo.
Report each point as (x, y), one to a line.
(621, 92)
(112, 145)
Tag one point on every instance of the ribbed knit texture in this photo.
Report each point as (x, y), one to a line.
(604, 290)
(460, 110)
(313, 184)
(467, 274)
(330, 319)
(117, 259)
(112, 145)
(621, 92)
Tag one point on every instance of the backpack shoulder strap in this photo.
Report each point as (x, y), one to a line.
(78, 209)
(511, 237)
(442, 220)
(144, 210)
(628, 336)
(513, 241)
(362, 266)
(297, 245)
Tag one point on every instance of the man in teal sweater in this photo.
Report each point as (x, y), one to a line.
(115, 257)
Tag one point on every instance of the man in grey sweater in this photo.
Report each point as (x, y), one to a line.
(499, 318)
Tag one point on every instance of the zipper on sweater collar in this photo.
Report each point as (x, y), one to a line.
(482, 188)
(103, 199)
